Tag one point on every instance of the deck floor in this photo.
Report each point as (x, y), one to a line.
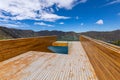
(49, 66)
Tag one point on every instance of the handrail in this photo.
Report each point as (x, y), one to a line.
(27, 38)
(105, 44)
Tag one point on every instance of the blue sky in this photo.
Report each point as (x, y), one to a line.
(64, 15)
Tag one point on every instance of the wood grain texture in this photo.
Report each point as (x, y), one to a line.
(60, 43)
(104, 57)
(11, 48)
(49, 66)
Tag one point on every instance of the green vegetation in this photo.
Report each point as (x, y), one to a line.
(116, 42)
(1, 38)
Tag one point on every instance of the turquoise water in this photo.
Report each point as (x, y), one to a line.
(59, 49)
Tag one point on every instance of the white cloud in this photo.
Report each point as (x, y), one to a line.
(118, 14)
(82, 24)
(83, 1)
(100, 22)
(42, 24)
(61, 23)
(67, 4)
(35, 9)
(12, 24)
(52, 17)
(112, 2)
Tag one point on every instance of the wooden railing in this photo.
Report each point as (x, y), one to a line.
(104, 57)
(11, 48)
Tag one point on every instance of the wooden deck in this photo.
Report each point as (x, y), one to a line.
(49, 66)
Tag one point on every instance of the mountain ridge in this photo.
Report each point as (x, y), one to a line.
(8, 33)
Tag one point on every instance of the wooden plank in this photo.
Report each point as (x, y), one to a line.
(11, 48)
(49, 66)
(104, 58)
(60, 43)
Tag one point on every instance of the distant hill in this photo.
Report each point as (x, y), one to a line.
(8, 33)
(105, 36)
